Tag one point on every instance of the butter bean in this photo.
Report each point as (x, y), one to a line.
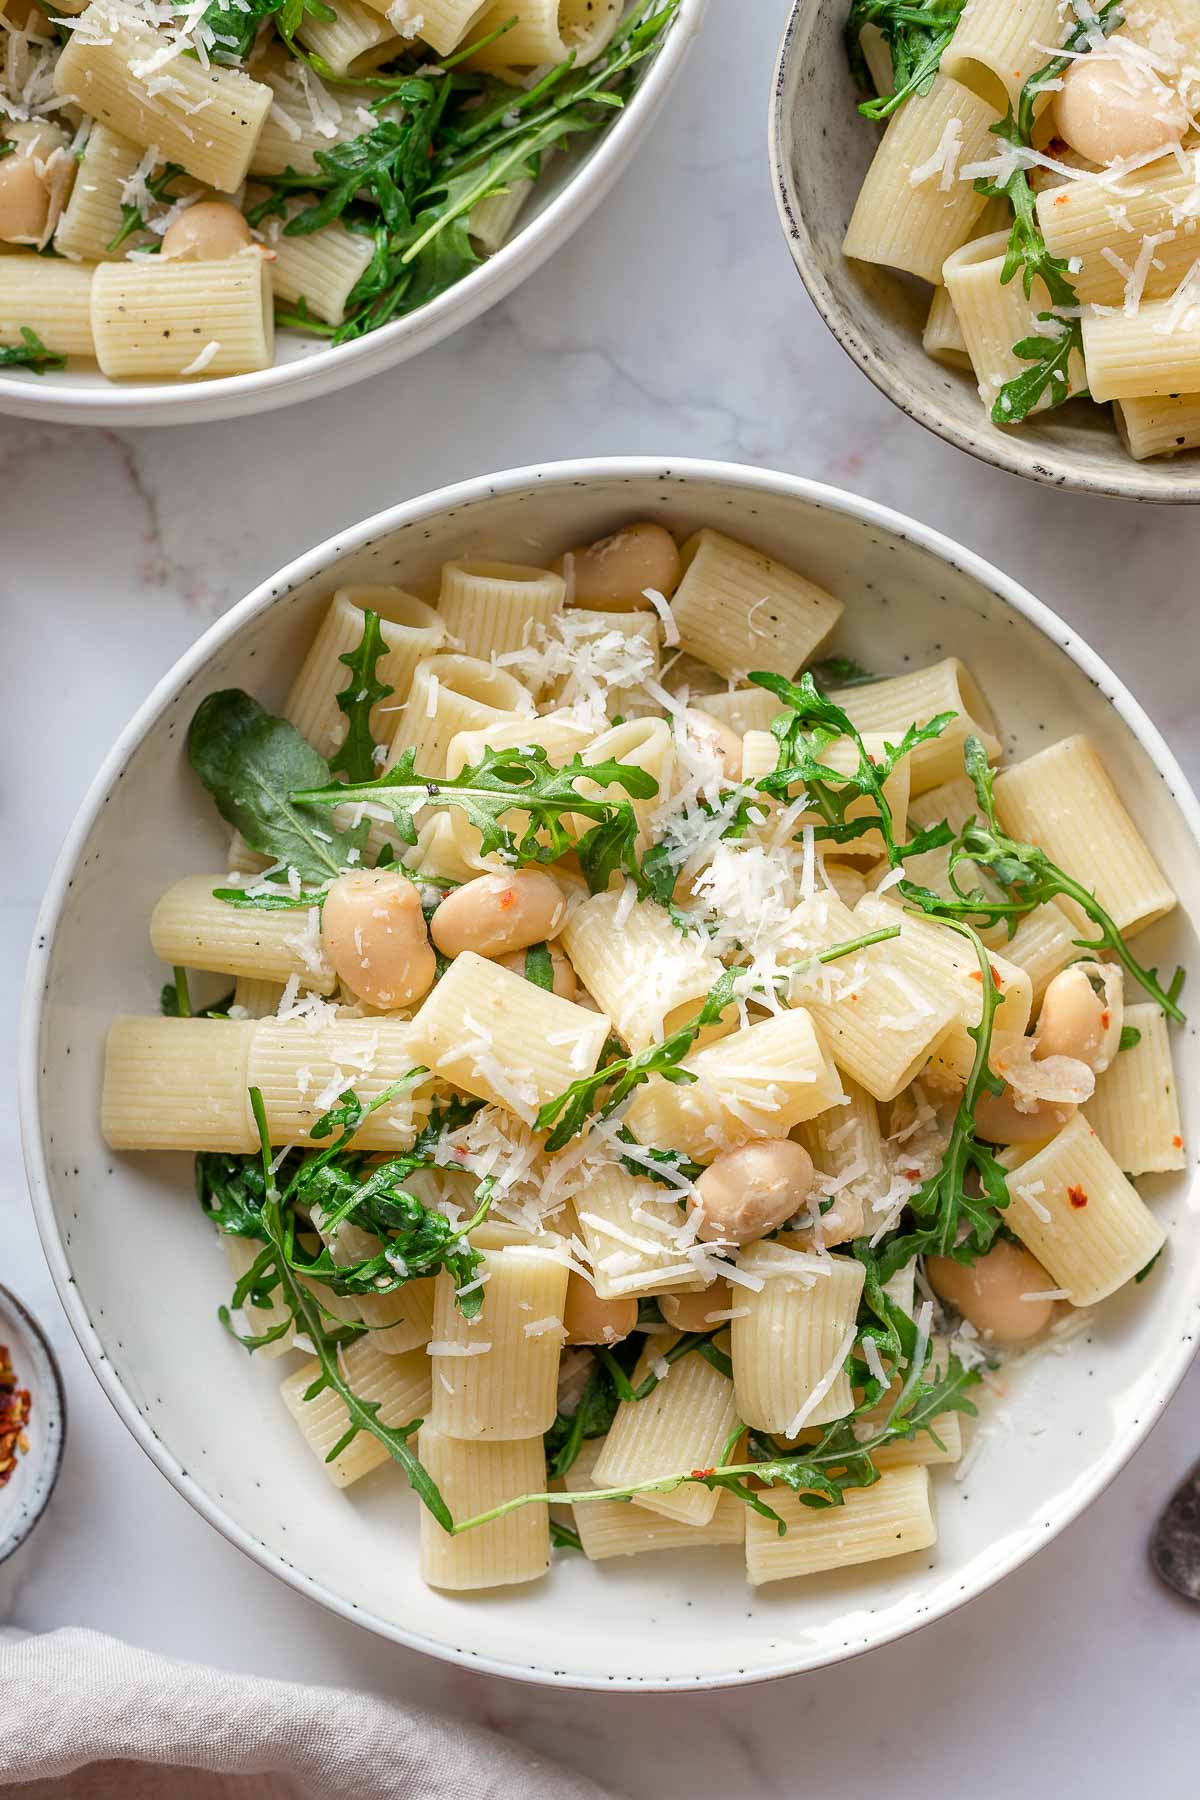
(374, 934)
(495, 915)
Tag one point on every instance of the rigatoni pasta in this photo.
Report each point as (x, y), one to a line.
(1080, 127)
(627, 1109)
(177, 109)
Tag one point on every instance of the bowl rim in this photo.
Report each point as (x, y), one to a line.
(1145, 482)
(526, 480)
(12, 1303)
(332, 368)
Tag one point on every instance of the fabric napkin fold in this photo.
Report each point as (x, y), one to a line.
(88, 1718)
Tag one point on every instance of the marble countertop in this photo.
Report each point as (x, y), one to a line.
(673, 323)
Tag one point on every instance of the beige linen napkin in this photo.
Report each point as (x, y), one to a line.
(87, 1718)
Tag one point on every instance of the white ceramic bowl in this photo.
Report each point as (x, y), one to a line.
(307, 367)
(820, 150)
(208, 1415)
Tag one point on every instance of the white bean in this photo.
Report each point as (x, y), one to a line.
(497, 914)
(612, 574)
(374, 934)
(590, 1320)
(748, 1192)
(1109, 108)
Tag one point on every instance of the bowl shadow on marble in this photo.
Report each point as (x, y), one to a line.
(820, 149)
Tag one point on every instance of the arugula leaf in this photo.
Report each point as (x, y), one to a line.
(1030, 879)
(355, 758)
(234, 23)
(251, 763)
(504, 781)
(30, 354)
(1049, 352)
(592, 1417)
(7, 147)
(916, 32)
(459, 137)
(840, 672)
(539, 967)
(819, 1475)
(160, 187)
(174, 1001)
(804, 731)
(569, 1112)
(1130, 1038)
(970, 1189)
(278, 1232)
(283, 901)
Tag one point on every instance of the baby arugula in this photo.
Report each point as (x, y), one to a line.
(30, 354)
(806, 727)
(1049, 353)
(1029, 879)
(447, 138)
(917, 33)
(501, 783)
(576, 1107)
(252, 764)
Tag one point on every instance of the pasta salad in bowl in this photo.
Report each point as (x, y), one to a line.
(178, 180)
(677, 1045)
(1000, 225)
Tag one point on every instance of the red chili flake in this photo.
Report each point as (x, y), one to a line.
(1077, 1197)
(977, 975)
(507, 898)
(1106, 1018)
(912, 1174)
(702, 1474)
(14, 1417)
(1178, 1142)
(996, 976)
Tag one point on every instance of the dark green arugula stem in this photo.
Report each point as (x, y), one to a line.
(819, 1475)
(1050, 352)
(355, 757)
(569, 1112)
(363, 1415)
(916, 32)
(1029, 879)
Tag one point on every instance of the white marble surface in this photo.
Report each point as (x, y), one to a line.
(673, 323)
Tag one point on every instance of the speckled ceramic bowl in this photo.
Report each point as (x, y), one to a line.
(209, 1416)
(26, 1494)
(307, 367)
(820, 149)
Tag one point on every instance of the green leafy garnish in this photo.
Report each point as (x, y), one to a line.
(355, 758)
(1029, 879)
(820, 1475)
(235, 26)
(958, 1210)
(1049, 353)
(30, 354)
(840, 672)
(252, 763)
(504, 781)
(916, 32)
(1130, 1038)
(274, 1271)
(569, 1112)
(539, 967)
(804, 731)
(413, 180)
(159, 186)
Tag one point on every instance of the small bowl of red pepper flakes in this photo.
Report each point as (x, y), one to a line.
(33, 1422)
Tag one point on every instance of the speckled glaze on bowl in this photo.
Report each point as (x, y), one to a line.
(307, 367)
(820, 149)
(26, 1494)
(209, 1415)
